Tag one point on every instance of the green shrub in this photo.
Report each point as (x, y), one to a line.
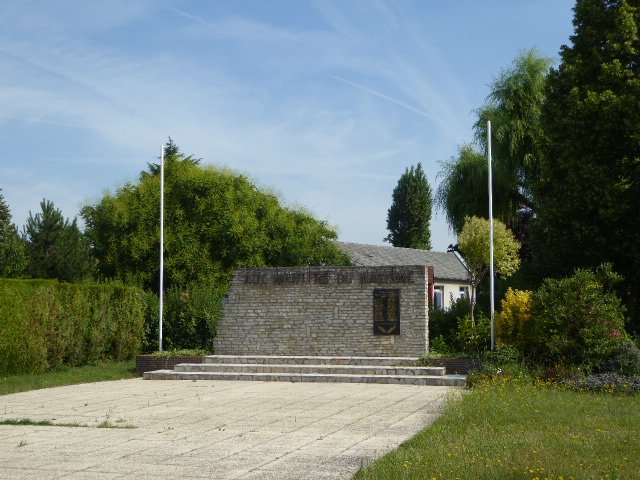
(439, 346)
(578, 321)
(505, 355)
(474, 336)
(505, 361)
(444, 323)
(189, 318)
(151, 322)
(45, 324)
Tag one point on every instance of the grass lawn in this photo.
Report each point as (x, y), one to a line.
(517, 431)
(67, 376)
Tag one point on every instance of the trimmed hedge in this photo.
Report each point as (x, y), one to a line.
(45, 324)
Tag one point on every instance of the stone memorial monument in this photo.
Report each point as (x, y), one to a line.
(333, 311)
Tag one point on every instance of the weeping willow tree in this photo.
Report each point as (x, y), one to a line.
(514, 107)
(464, 189)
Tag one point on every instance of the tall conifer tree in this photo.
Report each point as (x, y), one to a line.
(409, 217)
(589, 190)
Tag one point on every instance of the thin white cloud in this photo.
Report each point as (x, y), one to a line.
(383, 96)
(71, 16)
(188, 16)
(233, 28)
(40, 119)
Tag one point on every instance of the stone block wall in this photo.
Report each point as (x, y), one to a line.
(321, 311)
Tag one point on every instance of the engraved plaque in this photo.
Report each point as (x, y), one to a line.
(386, 311)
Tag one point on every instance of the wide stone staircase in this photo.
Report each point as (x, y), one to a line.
(392, 370)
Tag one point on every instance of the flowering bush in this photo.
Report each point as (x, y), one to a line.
(578, 321)
(514, 322)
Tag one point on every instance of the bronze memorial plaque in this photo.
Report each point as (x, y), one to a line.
(386, 311)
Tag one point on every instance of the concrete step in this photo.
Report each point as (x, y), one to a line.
(433, 380)
(296, 368)
(311, 360)
(327, 369)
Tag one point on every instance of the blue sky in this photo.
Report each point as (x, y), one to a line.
(323, 102)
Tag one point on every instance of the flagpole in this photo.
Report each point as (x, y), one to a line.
(491, 274)
(161, 242)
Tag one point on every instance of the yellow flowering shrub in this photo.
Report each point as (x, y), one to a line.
(514, 321)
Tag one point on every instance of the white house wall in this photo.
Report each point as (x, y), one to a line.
(450, 288)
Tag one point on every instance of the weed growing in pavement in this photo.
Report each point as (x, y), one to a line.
(48, 423)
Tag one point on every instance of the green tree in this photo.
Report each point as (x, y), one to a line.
(171, 154)
(56, 248)
(5, 213)
(13, 260)
(589, 187)
(42, 232)
(215, 221)
(74, 260)
(514, 107)
(473, 243)
(409, 217)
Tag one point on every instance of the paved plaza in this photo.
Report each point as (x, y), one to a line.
(210, 429)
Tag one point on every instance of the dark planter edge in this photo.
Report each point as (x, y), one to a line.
(149, 363)
(455, 365)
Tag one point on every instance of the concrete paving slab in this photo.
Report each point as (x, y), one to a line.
(211, 429)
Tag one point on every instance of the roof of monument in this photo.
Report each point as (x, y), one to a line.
(446, 266)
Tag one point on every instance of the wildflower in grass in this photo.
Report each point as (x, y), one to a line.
(615, 334)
